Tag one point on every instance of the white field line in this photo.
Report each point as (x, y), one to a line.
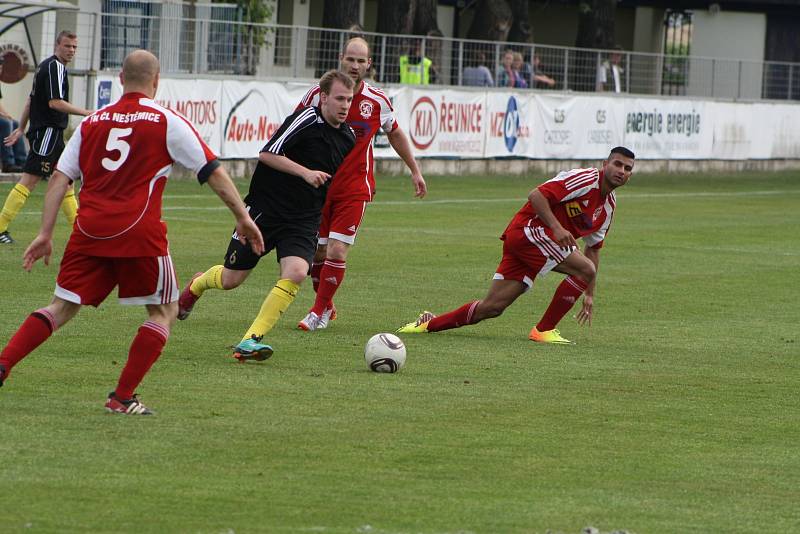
(622, 196)
(423, 202)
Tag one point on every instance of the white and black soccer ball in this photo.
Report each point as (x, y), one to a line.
(385, 353)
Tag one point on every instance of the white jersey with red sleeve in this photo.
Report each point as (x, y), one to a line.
(370, 110)
(574, 196)
(123, 153)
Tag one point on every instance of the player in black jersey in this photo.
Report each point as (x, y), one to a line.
(286, 196)
(48, 110)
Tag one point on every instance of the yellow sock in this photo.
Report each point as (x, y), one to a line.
(16, 199)
(211, 279)
(70, 205)
(273, 307)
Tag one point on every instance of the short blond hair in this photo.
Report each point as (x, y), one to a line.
(327, 80)
(69, 34)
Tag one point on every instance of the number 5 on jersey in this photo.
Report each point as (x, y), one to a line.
(115, 142)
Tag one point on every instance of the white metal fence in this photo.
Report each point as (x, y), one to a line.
(211, 39)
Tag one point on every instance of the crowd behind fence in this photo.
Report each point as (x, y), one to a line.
(212, 39)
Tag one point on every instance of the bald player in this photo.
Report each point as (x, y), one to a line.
(353, 185)
(124, 154)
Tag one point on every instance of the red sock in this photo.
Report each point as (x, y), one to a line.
(39, 326)
(145, 350)
(330, 278)
(316, 268)
(454, 319)
(566, 295)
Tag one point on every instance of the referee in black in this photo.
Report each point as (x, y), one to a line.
(286, 196)
(48, 110)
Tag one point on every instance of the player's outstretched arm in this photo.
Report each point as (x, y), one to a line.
(65, 107)
(42, 245)
(399, 141)
(246, 229)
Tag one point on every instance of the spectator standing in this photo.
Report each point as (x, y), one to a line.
(609, 73)
(415, 68)
(539, 78)
(478, 74)
(13, 156)
(48, 109)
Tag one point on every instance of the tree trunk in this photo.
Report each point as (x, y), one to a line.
(337, 14)
(492, 21)
(521, 31)
(395, 17)
(426, 24)
(425, 18)
(595, 30)
(340, 14)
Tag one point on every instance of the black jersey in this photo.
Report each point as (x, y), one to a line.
(50, 82)
(305, 138)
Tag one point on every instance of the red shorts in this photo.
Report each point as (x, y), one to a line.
(529, 252)
(88, 280)
(340, 220)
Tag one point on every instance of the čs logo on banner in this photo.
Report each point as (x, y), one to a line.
(511, 124)
(103, 93)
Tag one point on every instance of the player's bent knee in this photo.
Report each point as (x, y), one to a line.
(296, 277)
(588, 273)
(164, 314)
(232, 279)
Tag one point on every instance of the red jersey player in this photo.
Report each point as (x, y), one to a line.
(541, 238)
(124, 153)
(353, 185)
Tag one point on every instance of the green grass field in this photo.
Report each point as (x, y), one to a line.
(677, 411)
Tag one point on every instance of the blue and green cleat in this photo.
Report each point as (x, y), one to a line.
(252, 349)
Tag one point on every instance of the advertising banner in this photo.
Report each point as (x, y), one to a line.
(733, 139)
(237, 118)
(445, 123)
(252, 111)
(200, 101)
(577, 127)
(776, 130)
(510, 121)
(668, 129)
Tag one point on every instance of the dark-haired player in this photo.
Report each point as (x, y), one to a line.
(542, 237)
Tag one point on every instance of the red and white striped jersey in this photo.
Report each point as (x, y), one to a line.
(123, 154)
(575, 199)
(370, 110)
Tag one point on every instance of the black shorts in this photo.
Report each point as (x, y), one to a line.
(47, 144)
(288, 238)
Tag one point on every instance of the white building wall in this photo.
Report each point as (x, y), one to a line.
(737, 38)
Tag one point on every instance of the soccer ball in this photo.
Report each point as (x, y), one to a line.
(385, 353)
